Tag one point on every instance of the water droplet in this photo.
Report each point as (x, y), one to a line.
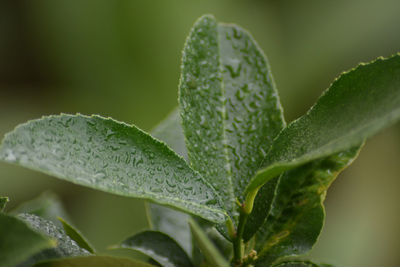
(234, 68)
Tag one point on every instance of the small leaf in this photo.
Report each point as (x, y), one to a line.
(229, 106)
(47, 206)
(3, 202)
(93, 261)
(160, 247)
(18, 241)
(76, 235)
(358, 104)
(164, 219)
(210, 252)
(297, 217)
(66, 247)
(113, 157)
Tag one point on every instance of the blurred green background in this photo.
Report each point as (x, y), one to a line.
(122, 59)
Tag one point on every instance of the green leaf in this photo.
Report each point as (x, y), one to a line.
(296, 264)
(66, 247)
(93, 261)
(297, 217)
(18, 241)
(164, 219)
(229, 106)
(160, 247)
(76, 235)
(3, 202)
(210, 252)
(358, 104)
(47, 206)
(113, 157)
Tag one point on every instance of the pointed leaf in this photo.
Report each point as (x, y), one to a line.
(18, 241)
(76, 235)
(66, 247)
(210, 252)
(164, 219)
(113, 157)
(298, 215)
(93, 261)
(160, 247)
(358, 104)
(3, 202)
(229, 106)
(47, 206)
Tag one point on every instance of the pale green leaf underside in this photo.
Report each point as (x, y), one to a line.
(18, 241)
(210, 252)
(160, 247)
(229, 106)
(161, 218)
(66, 247)
(93, 261)
(356, 106)
(107, 155)
(76, 235)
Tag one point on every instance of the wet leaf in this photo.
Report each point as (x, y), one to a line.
(161, 218)
(160, 247)
(210, 252)
(229, 107)
(297, 216)
(297, 264)
(113, 157)
(66, 247)
(76, 235)
(93, 261)
(18, 241)
(358, 104)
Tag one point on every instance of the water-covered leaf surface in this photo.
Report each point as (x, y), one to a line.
(18, 241)
(114, 157)
(358, 104)
(297, 216)
(297, 264)
(160, 247)
(93, 261)
(229, 106)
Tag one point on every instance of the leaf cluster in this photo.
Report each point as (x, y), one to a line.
(230, 184)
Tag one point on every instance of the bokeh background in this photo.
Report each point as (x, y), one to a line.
(122, 59)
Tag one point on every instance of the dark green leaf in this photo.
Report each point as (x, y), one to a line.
(75, 235)
(93, 261)
(296, 264)
(66, 247)
(357, 105)
(297, 217)
(3, 202)
(229, 106)
(110, 156)
(47, 206)
(18, 241)
(210, 252)
(164, 219)
(160, 247)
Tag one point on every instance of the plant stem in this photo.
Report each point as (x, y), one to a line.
(238, 246)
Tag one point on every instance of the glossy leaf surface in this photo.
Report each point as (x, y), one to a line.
(356, 106)
(160, 247)
(297, 216)
(3, 202)
(110, 156)
(229, 106)
(210, 252)
(66, 247)
(161, 218)
(93, 261)
(47, 206)
(76, 235)
(18, 241)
